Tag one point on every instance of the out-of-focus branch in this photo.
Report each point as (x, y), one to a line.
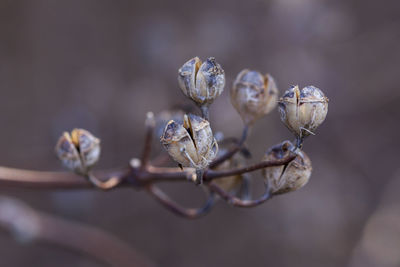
(30, 225)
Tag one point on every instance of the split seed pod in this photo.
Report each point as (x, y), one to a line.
(190, 143)
(201, 81)
(284, 179)
(78, 151)
(164, 117)
(302, 111)
(253, 95)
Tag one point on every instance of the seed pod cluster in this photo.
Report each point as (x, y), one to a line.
(253, 95)
(190, 143)
(201, 81)
(78, 151)
(302, 111)
(284, 179)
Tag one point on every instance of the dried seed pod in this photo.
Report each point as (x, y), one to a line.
(302, 111)
(201, 81)
(290, 177)
(190, 143)
(164, 117)
(253, 95)
(78, 151)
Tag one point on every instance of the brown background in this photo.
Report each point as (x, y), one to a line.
(102, 65)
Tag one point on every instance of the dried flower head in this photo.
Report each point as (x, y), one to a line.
(287, 178)
(201, 81)
(78, 151)
(253, 95)
(190, 143)
(302, 111)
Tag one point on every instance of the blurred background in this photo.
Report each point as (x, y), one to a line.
(101, 65)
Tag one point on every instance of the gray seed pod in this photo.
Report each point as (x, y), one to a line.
(302, 111)
(78, 151)
(253, 95)
(201, 82)
(190, 143)
(164, 117)
(284, 179)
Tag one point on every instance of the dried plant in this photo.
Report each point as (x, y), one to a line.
(208, 161)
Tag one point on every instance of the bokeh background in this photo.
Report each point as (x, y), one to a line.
(102, 65)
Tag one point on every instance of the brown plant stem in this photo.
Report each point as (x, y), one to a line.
(210, 175)
(138, 177)
(12, 177)
(235, 201)
(171, 205)
(128, 177)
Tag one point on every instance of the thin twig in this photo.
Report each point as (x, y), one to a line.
(231, 152)
(235, 201)
(104, 185)
(129, 177)
(171, 205)
(12, 177)
(210, 175)
(31, 225)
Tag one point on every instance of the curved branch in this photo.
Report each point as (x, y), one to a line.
(211, 175)
(235, 201)
(174, 207)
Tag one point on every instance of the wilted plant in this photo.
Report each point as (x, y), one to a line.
(189, 140)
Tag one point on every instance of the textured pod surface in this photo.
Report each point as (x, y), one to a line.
(201, 81)
(68, 154)
(302, 111)
(253, 95)
(164, 117)
(78, 151)
(283, 179)
(190, 143)
(179, 144)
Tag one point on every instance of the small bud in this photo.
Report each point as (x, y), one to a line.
(201, 82)
(287, 178)
(190, 143)
(302, 111)
(253, 95)
(78, 151)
